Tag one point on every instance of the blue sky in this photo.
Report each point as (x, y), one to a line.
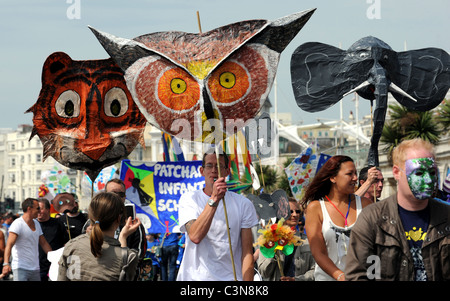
(30, 30)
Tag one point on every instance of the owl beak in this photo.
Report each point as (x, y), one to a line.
(211, 124)
(207, 106)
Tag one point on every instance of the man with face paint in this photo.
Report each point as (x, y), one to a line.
(406, 236)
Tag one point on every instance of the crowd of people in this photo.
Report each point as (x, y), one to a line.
(347, 232)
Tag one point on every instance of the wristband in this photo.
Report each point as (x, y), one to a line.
(5, 264)
(212, 203)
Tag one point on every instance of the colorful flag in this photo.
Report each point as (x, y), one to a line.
(303, 168)
(236, 181)
(246, 159)
(103, 177)
(172, 149)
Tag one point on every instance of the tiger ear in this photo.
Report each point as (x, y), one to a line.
(54, 65)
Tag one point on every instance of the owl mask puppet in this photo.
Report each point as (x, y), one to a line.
(85, 116)
(202, 87)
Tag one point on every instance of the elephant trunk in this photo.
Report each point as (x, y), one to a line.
(381, 84)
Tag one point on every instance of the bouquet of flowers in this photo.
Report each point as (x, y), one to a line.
(277, 238)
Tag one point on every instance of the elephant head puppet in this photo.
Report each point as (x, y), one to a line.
(322, 75)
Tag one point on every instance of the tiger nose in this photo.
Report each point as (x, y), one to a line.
(95, 142)
(94, 149)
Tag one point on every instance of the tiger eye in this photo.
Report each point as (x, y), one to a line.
(115, 107)
(69, 108)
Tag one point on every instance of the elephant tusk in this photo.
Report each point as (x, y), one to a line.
(364, 84)
(394, 88)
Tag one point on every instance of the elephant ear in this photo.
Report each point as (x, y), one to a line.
(321, 74)
(425, 75)
(264, 207)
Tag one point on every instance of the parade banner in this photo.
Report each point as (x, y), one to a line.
(155, 190)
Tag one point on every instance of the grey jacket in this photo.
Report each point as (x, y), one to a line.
(78, 264)
(379, 231)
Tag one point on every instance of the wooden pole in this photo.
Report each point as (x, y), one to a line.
(371, 126)
(277, 255)
(226, 216)
(262, 174)
(198, 20)
(223, 200)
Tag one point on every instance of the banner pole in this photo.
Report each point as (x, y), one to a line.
(223, 199)
(226, 216)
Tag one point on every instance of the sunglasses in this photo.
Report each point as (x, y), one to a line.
(119, 193)
(296, 211)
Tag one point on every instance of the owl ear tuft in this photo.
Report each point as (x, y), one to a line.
(123, 51)
(281, 31)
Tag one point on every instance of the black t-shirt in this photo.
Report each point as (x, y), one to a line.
(56, 236)
(416, 224)
(76, 223)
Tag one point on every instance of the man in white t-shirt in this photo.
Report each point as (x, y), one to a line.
(25, 236)
(202, 216)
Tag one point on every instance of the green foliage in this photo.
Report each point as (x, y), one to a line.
(273, 179)
(424, 126)
(269, 182)
(407, 124)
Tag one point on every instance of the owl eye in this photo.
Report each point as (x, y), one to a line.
(229, 83)
(227, 80)
(178, 85)
(116, 102)
(68, 104)
(177, 90)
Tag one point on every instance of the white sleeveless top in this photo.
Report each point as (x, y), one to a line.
(336, 240)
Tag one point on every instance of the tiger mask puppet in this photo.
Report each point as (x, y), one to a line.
(85, 116)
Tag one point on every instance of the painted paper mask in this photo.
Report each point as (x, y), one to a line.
(201, 87)
(421, 174)
(85, 116)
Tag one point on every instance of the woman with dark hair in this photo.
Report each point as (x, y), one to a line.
(331, 210)
(98, 255)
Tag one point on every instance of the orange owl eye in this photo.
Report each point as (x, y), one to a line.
(177, 90)
(229, 83)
